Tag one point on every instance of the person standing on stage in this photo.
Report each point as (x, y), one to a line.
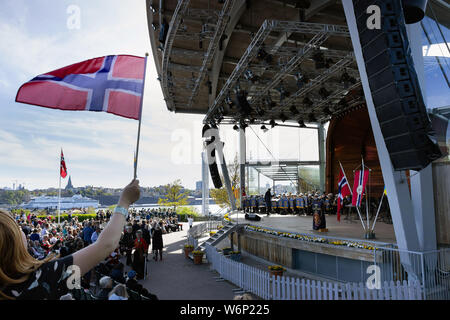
(268, 200)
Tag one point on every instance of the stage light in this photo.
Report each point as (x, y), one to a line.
(327, 111)
(324, 93)
(272, 123)
(263, 55)
(260, 111)
(319, 59)
(302, 4)
(308, 101)
(269, 103)
(235, 127)
(283, 93)
(346, 79)
(283, 118)
(250, 76)
(293, 110)
(229, 101)
(153, 9)
(154, 26)
(301, 123)
(222, 39)
(264, 128)
(243, 125)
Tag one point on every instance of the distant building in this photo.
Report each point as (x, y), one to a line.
(74, 202)
(198, 186)
(69, 184)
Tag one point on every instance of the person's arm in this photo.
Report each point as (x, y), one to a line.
(109, 238)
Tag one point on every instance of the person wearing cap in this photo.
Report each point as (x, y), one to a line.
(132, 283)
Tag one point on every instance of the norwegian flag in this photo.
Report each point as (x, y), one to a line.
(361, 177)
(111, 84)
(343, 191)
(63, 169)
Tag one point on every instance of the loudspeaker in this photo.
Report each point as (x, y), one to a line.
(414, 10)
(213, 169)
(252, 216)
(394, 86)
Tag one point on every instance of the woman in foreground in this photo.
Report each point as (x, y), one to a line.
(23, 277)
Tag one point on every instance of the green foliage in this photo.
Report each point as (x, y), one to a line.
(14, 197)
(65, 216)
(173, 195)
(184, 212)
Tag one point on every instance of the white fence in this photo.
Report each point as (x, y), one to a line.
(262, 284)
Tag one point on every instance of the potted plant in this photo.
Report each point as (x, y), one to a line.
(276, 270)
(198, 256)
(235, 255)
(226, 251)
(188, 248)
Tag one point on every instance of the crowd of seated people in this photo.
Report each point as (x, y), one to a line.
(45, 236)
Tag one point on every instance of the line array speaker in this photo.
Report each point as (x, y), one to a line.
(394, 86)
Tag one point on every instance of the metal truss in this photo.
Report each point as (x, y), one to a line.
(177, 16)
(318, 81)
(258, 40)
(204, 35)
(213, 45)
(316, 41)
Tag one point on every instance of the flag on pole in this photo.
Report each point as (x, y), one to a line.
(359, 186)
(343, 191)
(63, 169)
(111, 84)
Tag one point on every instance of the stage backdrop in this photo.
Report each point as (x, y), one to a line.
(350, 137)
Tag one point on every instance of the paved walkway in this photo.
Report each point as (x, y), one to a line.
(178, 278)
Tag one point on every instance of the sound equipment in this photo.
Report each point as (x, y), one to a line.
(163, 32)
(252, 217)
(394, 86)
(414, 10)
(212, 162)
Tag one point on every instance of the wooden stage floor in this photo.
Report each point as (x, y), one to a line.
(347, 229)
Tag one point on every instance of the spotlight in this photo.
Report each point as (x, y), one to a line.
(243, 125)
(272, 123)
(283, 118)
(269, 103)
(250, 76)
(319, 59)
(222, 39)
(264, 128)
(308, 101)
(327, 111)
(154, 26)
(153, 9)
(346, 79)
(302, 4)
(229, 101)
(293, 110)
(263, 55)
(260, 111)
(324, 93)
(283, 93)
(301, 123)
(235, 127)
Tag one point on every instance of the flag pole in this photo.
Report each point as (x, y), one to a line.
(348, 182)
(378, 211)
(59, 192)
(140, 118)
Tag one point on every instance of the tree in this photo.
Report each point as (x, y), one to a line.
(220, 196)
(173, 195)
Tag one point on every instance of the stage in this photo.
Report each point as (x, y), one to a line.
(346, 229)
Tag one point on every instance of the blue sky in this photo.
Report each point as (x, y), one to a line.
(98, 147)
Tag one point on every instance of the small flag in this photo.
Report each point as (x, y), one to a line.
(63, 169)
(111, 84)
(343, 191)
(361, 177)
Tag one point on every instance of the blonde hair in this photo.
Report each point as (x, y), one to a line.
(16, 263)
(119, 290)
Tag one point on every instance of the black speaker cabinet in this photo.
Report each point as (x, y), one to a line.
(395, 89)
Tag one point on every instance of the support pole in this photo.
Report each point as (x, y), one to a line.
(226, 177)
(321, 141)
(59, 200)
(205, 185)
(242, 160)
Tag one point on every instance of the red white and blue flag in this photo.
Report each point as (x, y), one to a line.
(62, 166)
(361, 177)
(111, 84)
(343, 191)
